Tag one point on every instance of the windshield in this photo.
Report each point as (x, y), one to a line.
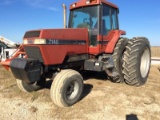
(86, 17)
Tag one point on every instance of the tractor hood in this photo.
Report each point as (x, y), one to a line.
(57, 36)
(52, 46)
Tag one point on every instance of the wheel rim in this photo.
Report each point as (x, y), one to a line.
(72, 90)
(145, 63)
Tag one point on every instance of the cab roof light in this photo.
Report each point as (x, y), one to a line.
(74, 5)
(90, 1)
(87, 1)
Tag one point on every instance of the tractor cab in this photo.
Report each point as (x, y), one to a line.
(100, 17)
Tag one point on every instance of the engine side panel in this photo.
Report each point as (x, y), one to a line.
(53, 54)
(59, 44)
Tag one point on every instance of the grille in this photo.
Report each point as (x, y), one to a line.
(32, 34)
(34, 53)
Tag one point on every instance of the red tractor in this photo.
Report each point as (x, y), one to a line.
(92, 42)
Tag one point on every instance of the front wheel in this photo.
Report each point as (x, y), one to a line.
(67, 88)
(137, 58)
(30, 87)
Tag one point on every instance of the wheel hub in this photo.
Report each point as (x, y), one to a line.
(145, 63)
(72, 90)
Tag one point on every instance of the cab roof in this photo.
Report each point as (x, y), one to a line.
(83, 3)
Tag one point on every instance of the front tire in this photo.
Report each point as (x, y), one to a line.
(30, 87)
(67, 88)
(137, 60)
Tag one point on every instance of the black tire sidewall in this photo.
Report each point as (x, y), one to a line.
(119, 61)
(34, 86)
(30, 87)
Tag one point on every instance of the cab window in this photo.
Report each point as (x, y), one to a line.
(109, 19)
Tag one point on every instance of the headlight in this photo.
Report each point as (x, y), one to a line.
(36, 41)
(40, 41)
(25, 41)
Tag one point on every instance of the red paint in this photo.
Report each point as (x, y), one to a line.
(68, 34)
(55, 54)
(82, 3)
(112, 39)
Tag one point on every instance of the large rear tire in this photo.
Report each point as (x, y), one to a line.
(118, 59)
(67, 88)
(137, 58)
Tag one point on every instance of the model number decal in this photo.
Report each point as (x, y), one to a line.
(65, 42)
(50, 41)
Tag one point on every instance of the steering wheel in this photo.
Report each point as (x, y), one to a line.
(88, 21)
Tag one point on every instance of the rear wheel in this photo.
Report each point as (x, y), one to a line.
(137, 61)
(67, 88)
(118, 59)
(30, 87)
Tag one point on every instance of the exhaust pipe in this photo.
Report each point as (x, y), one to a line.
(64, 15)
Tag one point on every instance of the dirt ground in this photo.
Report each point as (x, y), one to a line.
(155, 51)
(102, 100)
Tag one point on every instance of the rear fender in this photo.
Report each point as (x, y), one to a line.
(112, 39)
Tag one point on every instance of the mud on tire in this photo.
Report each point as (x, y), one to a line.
(118, 59)
(67, 88)
(137, 60)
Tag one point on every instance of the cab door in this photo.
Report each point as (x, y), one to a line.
(109, 25)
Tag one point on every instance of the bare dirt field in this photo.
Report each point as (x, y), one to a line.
(102, 100)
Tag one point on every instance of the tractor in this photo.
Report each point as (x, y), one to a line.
(92, 41)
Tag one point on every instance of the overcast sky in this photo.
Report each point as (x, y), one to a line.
(137, 17)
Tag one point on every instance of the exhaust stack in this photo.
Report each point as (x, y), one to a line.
(64, 15)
